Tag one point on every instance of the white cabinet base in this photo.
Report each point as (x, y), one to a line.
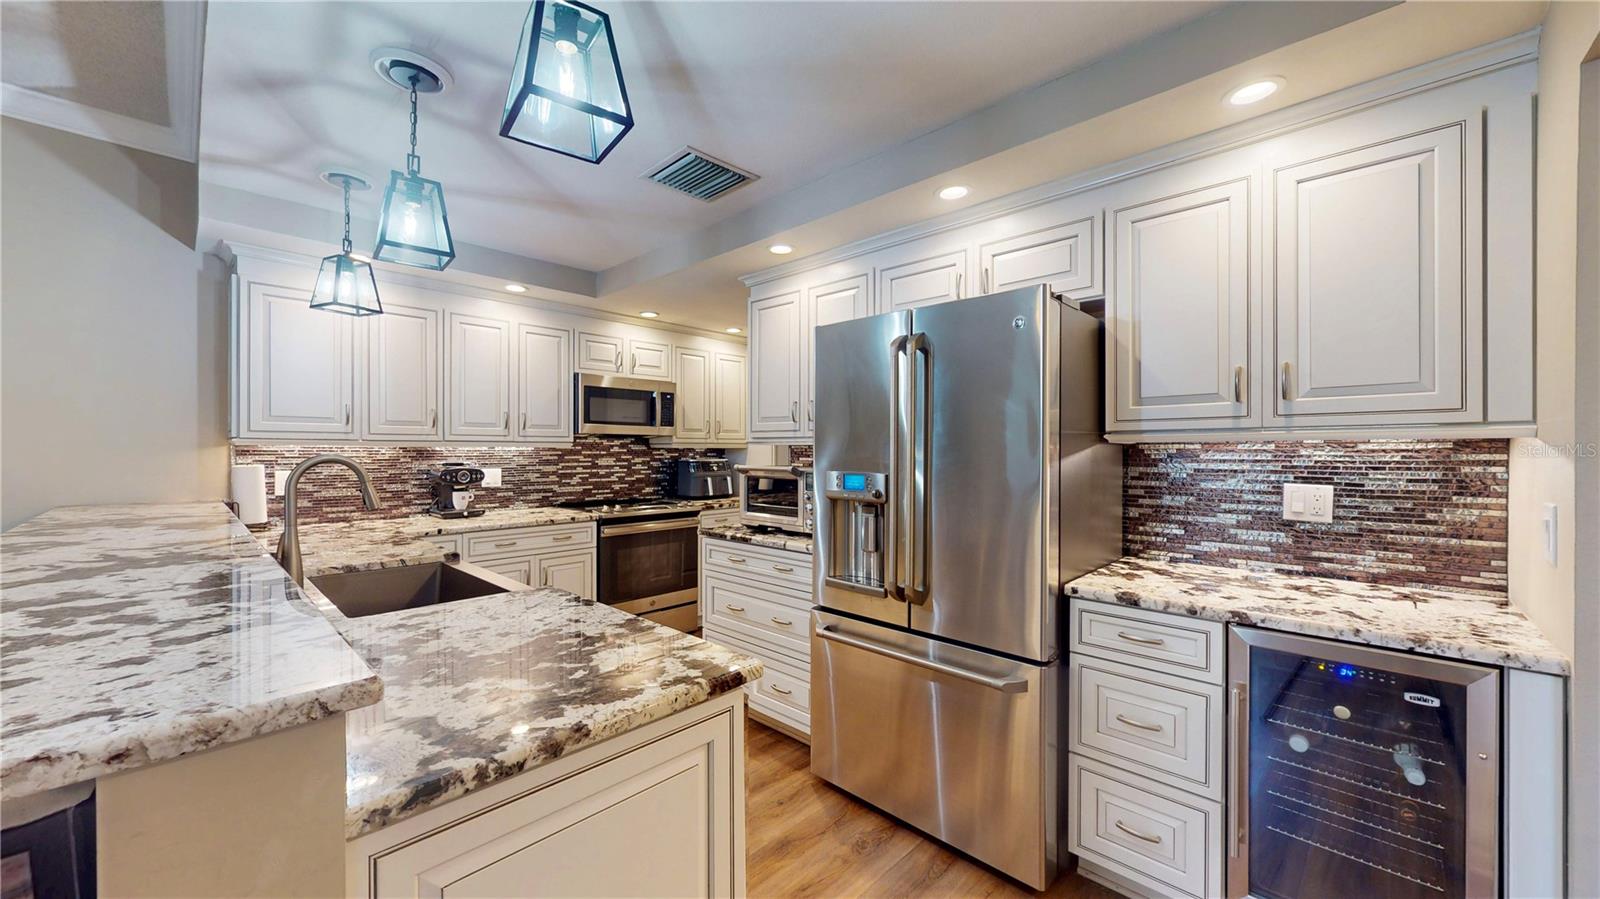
(656, 812)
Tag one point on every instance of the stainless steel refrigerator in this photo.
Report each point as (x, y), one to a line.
(961, 477)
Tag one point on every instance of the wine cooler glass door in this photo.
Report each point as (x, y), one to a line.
(1360, 772)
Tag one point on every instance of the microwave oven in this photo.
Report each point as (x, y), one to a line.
(637, 407)
(777, 496)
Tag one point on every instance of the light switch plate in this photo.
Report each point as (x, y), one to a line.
(1308, 502)
(491, 477)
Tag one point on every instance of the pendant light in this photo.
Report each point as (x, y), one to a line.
(567, 93)
(345, 284)
(413, 228)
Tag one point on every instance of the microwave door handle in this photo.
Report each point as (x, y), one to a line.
(892, 508)
(919, 457)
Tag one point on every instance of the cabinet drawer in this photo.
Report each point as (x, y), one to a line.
(767, 696)
(1167, 728)
(450, 543)
(519, 541)
(793, 693)
(1162, 839)
(1187, 647)
(769, 566)
(732, 603)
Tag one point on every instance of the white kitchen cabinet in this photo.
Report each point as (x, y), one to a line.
(403, 377)
(518, 569)
(655, 812)
(1056, 244)
(757, 599)
(775, 341)
(572, 572)
(649, 358)
(729, 384)
(1370, 249)
(480, 377)
(923, 272)
(600, 353)
(297, 377)
(837, 300)
(1178, 312)
(695, 391)
(544, 383)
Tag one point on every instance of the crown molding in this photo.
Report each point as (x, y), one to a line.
(185, 40)
(1491, 57)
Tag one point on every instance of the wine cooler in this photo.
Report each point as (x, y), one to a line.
(1359, 772)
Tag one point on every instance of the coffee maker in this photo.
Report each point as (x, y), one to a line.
(452, 484)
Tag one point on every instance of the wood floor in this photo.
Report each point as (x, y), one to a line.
(807, 838)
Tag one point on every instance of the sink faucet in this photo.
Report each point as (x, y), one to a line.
(289, 543)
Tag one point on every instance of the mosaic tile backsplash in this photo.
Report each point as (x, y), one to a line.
(1417, 513)
(592, 468)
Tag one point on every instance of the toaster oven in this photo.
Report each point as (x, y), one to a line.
(777, 496)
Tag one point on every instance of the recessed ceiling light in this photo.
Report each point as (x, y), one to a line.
(516, 288)
(1255, 91)
(780, 249)
(649, 314)
(734, 330)
(953, 192)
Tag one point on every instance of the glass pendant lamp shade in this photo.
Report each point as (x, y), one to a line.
(567, 92)
(413, 228)
(346, 284)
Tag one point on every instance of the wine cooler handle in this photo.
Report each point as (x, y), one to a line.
(1239, 778)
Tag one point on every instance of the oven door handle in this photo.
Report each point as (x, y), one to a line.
(676, 524)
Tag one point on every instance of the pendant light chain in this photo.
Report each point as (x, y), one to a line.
(347, 245)
(413, 163)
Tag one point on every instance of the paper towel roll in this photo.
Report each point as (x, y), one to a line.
(250, 492)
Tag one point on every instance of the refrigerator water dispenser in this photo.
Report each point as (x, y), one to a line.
(855, 504)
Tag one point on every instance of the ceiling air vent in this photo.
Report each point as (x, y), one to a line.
(700, 175)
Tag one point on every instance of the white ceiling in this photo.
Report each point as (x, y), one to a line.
(789, 90)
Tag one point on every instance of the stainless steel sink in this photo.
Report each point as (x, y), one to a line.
(361, 593)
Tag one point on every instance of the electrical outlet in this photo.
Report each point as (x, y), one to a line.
(279, 478)
(1308, 502)
(491, 477)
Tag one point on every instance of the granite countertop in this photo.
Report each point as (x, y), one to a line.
(135, 634)
(769, 537)
(1464, 626)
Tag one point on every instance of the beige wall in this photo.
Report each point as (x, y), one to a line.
(113, 330)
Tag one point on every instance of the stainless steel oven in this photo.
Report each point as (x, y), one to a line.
(608, 404)
(778, 496)
(1360, 772)
(651, 567)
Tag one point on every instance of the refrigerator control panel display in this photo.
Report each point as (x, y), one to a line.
(855, 485)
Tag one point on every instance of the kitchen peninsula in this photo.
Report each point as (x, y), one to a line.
(525, 715)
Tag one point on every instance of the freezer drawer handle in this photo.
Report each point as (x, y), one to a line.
(1147, 641)
(1136, 834)
(1139, 724)
(1003, 684)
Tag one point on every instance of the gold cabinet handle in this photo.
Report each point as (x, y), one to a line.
(1136, 834)
(783, 568)
(737, 560)
(1238, 383)
(1283, 381)
(1139, 724)
(783, 622)
(506, 543)
(734, 608)
(781, 691)
(562, 538)
(435, 423)
(1147, 641)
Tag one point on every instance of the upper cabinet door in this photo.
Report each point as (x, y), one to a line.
(403, 372)
(300, 371)
(544, 383)
(649, 358)
(1369, 297)
(600, 353)
(1056, 244)
(775, 379)
(480, 377)
(694, 412)
(921, 273)
(828, 304)
(729, 394)
(1178, 303)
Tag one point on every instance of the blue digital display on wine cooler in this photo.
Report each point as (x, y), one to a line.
(854, 481)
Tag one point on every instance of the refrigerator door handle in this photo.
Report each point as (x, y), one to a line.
(919, 457)
(892, 580)
(1003, 684)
